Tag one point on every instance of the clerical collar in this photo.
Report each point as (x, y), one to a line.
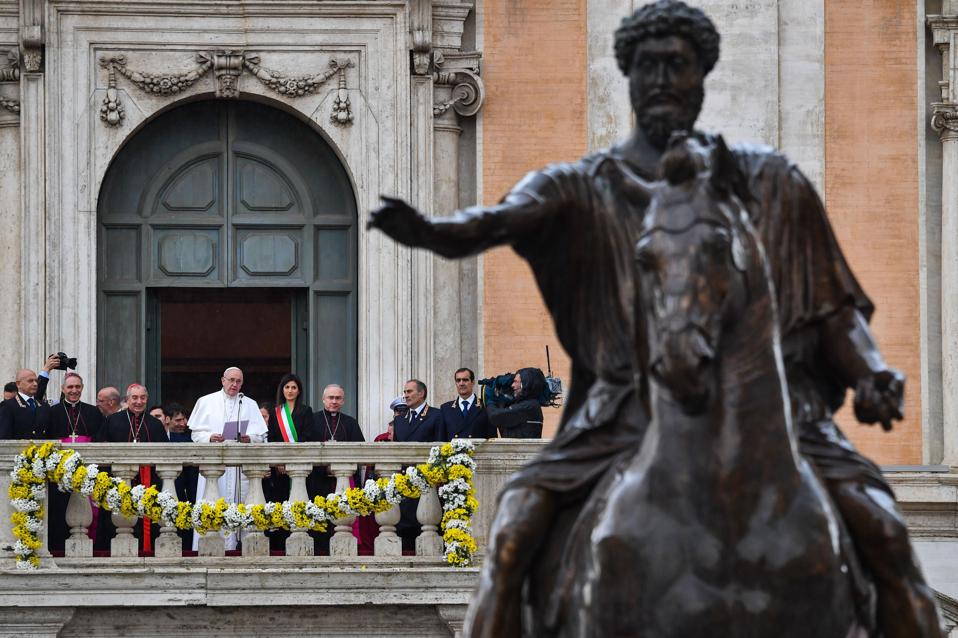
(71, 403)
(228, 397)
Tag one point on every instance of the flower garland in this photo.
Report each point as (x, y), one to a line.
(450, 468)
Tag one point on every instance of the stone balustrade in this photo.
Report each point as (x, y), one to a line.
(76, 594)
(496, 460)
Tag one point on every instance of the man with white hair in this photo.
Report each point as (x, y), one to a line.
(227, 415)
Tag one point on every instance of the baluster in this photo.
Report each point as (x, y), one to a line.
(343, 543)
(255, 542)
(429, 515)
(124, 544)
(168, 544)
(387, 543)
(212, 544)
(79, 517)
(299, 542)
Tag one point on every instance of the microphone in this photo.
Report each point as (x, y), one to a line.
(239, 415)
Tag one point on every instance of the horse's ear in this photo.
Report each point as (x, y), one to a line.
(723, 167)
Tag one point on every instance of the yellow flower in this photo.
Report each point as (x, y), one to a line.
(78, 477)
(60, 469)
(19, 491)
(184, 515)
(459, 472)
(258, 512)
(433, 475)
(446, 449)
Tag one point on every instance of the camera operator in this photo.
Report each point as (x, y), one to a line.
(27, 415)
(522, 417)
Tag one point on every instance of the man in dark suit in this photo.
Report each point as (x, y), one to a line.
(422, 423)
(27, 415)
(73, 421)
(464, 417)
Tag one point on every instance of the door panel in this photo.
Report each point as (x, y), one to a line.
(221, 194)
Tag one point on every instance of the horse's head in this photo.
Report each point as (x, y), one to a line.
(694, 254)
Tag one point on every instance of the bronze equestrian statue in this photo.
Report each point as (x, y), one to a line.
(718, 525)
(577, 225)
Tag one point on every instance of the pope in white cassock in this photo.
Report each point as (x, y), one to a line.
(207, 422)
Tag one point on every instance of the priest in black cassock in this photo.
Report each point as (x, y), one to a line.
(330, 424)
(71, 421)
(133, 425)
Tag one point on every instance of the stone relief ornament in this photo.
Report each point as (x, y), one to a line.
(12, 71)
(31, 46)
(10, 105)
(227, 66)
(944, 117)
(294, 85)
(342, 113)
(468, 91)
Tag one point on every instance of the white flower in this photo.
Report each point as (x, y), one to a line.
(25, 504)
(315, 513)
(462, 459)
(463, 445)
(38, 492)
(137, 495)
(372, 491)
(417, 479)
(38, 469)
(34, 524)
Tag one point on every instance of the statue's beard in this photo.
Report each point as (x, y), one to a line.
(658, 127)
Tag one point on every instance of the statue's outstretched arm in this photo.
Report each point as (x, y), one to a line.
(850, 348)
(467, 232)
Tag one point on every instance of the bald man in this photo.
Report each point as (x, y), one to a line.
(221, 416)
(108, 401)
(26, 415)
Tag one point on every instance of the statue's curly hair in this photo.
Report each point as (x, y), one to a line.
(664, 18)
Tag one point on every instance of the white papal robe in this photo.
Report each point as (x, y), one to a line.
(210, 414)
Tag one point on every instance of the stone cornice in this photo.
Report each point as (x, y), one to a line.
(941, 26)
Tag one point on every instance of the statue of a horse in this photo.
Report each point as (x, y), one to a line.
(718, 527)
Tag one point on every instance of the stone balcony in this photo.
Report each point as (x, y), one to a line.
(255, 594)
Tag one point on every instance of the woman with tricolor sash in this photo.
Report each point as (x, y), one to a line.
(290, 421)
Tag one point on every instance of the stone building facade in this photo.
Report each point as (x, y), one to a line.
(183, 185)
(139, 230)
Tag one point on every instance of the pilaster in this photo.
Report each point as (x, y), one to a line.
(944, 120)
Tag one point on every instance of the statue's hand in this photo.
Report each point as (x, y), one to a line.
(879, 398)
(399, 220)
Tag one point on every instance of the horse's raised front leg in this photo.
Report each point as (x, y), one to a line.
(906, 607)
(518, 531)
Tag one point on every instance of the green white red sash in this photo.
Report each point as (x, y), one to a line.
(286, 426)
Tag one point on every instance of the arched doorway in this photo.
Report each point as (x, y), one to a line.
(226, 236)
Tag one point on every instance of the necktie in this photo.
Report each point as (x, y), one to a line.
(465, 408)
(32, 404)
(412, 416)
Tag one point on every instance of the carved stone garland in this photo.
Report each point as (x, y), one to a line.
(11, 74)
(227, 66)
